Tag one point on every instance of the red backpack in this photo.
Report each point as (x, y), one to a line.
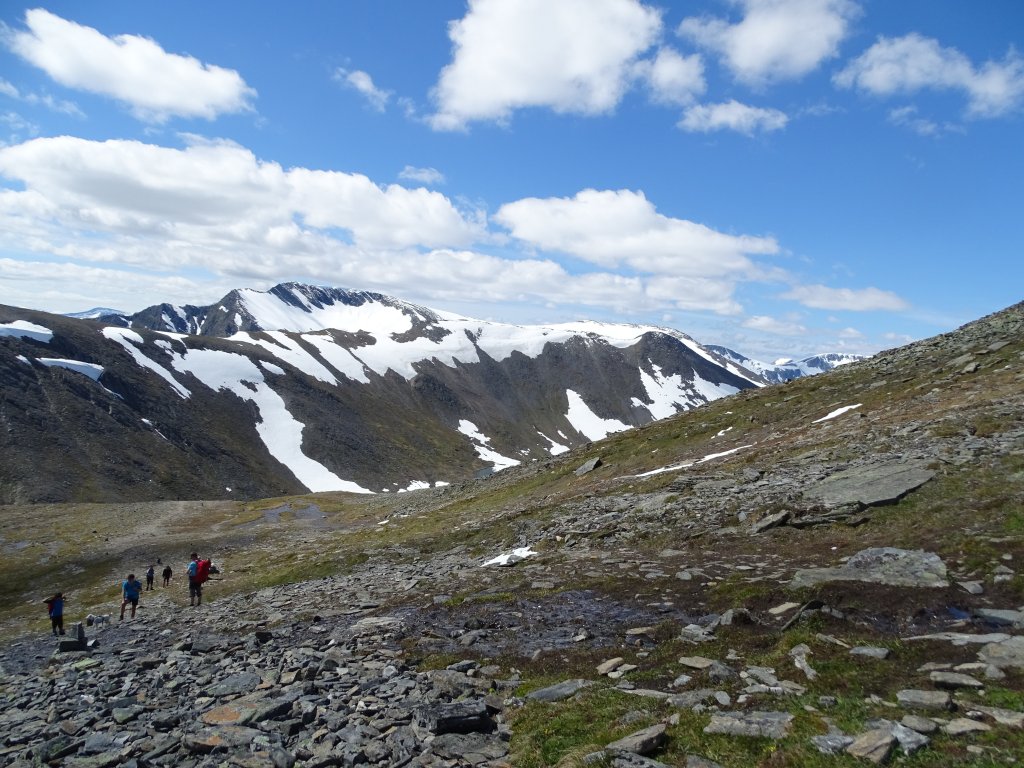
(203, 571)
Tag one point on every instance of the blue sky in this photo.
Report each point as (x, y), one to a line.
(783, 177)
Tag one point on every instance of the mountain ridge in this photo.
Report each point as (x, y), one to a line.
(785, 370)
(310, 388)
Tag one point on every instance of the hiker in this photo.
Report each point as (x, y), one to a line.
(167, 575)
(131, 588)
(55, 607)
(150, 575)
(198, 573)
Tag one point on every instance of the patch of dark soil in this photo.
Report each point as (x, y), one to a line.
(900, 611)
(505, 625)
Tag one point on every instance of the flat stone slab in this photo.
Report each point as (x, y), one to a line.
(923, 725)
(875, 746)
(455, 717)
(1001, 617)
(559, 691)
(951, 680)
(911, 698)
(243, 682)
(962, 725)
(870, 485)
(881, 565)
(872, 652)
(771, 725)
(207, 740)
(832, 743)
(696, 662)
(964, 638)
(1008, 717)
(1006, 654)
(608, 666)
(645, 742)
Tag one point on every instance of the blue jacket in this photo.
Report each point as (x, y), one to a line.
(131, 589)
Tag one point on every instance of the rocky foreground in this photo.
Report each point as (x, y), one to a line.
(330, 673)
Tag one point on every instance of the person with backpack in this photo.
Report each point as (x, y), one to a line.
(150, 575)
(131, 588)
(55, 607)
(167, 575)
(198, 574)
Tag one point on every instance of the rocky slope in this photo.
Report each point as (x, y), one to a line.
(825, 572)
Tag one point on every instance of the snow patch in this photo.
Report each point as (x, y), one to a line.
(512, 557)
(415, 485)
(588, 423)
(290, 351)
(272, 314)
(483, 450)
(91, 370)
(271, 368)
(556, 448)
(128, 339)
(343, 360)
(685, 465)
(670, 394)
(26, 329)
(837, 412)
(280, 432)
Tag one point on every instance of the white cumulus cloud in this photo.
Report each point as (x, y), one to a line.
(622, 227)
(911, 63)
(732, 116)
(775, 326)
(857, 300)
(155, 84)
(672, 77)
(363, 83)
(908, 117)
(776, 39)
(430, 176)
(573, 56)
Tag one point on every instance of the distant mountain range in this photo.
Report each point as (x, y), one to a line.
(312, 388)
(786, 370)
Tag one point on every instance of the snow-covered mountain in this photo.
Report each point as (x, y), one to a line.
(785, 370)
(312, 388)
(96, 313)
